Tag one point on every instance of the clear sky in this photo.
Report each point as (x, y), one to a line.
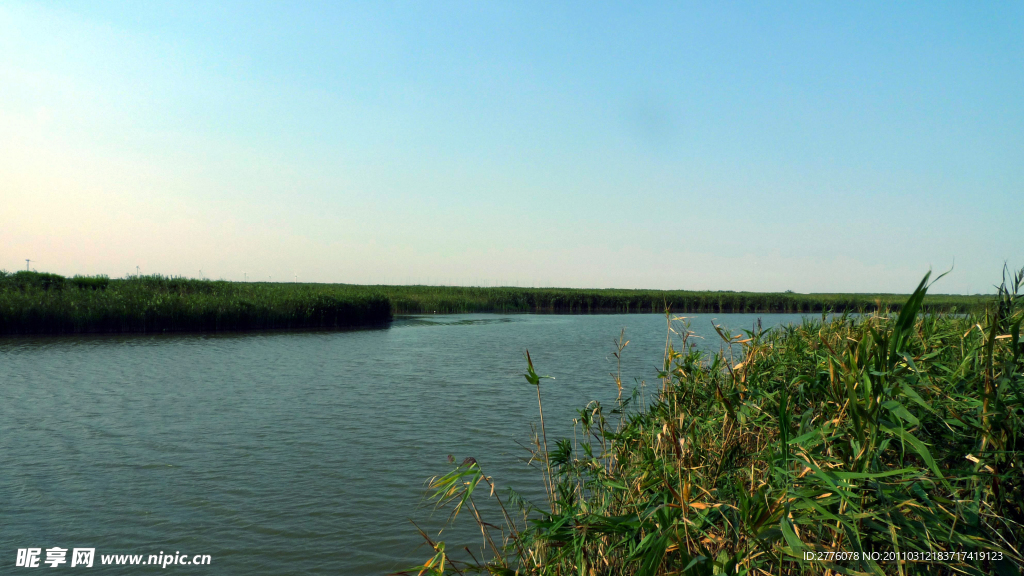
(821, 146)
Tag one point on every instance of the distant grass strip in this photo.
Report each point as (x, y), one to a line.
(41, 303)
(887, 444)
(35, 303)
(446, 300)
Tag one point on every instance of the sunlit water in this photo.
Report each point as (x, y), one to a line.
(290, 453)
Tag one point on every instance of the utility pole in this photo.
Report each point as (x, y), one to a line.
(27, 262)
(136, 271)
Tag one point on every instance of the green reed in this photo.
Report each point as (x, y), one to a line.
(50, 304)
(455, 299)
(867, 437)
(33, 302)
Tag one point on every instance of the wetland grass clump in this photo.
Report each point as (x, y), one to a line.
(32, 303)
(886, 444)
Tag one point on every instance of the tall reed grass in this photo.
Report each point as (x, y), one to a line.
(33, 302)
(453, 299)
(50, 304)
(887, 444)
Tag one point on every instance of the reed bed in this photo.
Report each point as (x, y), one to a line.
(885, 444)
(454, 299)
(51, 304)
(35, 303)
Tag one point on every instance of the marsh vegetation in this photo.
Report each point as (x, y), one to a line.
(37, 303)
(33, 303)
(847, 440)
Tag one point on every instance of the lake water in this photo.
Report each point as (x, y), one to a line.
(290, 453)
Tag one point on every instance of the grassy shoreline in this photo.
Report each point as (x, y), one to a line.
(456, 299)
(51, 304)
(884, 444)
(39, 303)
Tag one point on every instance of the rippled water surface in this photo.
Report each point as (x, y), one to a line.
(289, 453)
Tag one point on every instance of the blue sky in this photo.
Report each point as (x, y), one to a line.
(742, 146)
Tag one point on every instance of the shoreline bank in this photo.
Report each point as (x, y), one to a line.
(38, 303)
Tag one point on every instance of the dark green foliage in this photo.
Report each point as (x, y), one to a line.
(42, 304)
(452, 299)
(90, 282)
(36, 303)
(865, 436)
(25, 280)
